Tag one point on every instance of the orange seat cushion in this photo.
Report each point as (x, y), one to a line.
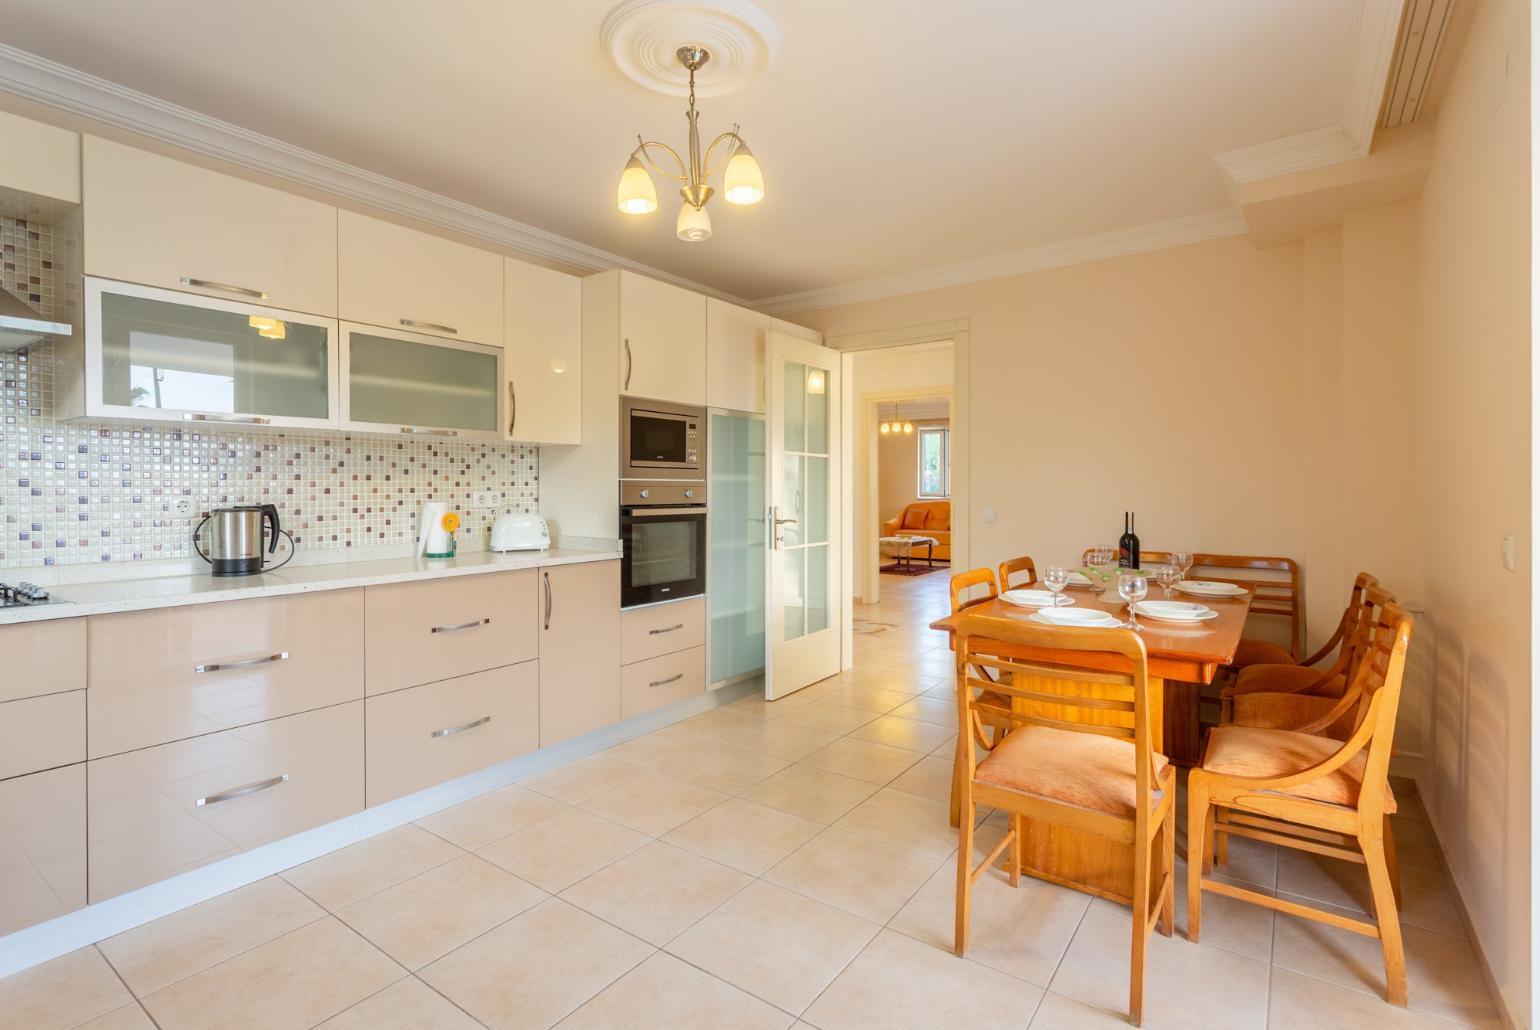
(1086, 770)
(1252, 752)
(1284, 679)
(1260, 652)
(1290, 712)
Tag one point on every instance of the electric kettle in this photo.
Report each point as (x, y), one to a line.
(236, 538)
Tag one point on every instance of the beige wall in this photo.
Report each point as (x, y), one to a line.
(898, 458)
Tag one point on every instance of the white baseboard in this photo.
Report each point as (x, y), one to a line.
(37, 944)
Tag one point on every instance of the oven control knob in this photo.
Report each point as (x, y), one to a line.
(645, 493)
(689, 493)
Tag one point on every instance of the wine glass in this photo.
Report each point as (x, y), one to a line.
(1132, 587)
(1101, 559)
(1183, 561)
(1056, 578)
(1168, 575)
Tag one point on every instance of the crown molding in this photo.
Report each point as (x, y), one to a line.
(1289, 154)
(57, 85)
(1155, 236)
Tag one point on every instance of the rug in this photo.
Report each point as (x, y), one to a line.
(868, 628)
(909, 570)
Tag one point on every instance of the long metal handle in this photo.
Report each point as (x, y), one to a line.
(628, 365)
(513, 408)
(669, 629)
(638, 511)
(207, 284)
(459, 626)
(420, 431)
(245, 790)
(547, 576)
(244, 420)
(663, 683)
(412, 323)
(242, 663)
(452, 730)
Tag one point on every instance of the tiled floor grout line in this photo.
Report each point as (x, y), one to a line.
(131, 992)
(410, 974)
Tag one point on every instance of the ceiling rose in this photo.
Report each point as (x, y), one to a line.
(643, 37)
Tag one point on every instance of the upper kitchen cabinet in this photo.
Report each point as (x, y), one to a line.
(543, 354)
(660, 334)
(735, 356)
(39, 160)
(400, 382)
(399, 278)
(160, 222)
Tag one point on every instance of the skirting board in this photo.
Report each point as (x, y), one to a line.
(37, 944)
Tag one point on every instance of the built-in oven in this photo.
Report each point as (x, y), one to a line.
(662, 541)
(661, 440)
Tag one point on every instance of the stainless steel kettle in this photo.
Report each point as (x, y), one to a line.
(236, 539)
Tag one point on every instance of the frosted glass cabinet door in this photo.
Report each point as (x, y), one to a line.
(411, 383)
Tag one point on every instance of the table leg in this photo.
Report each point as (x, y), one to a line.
(1182, 723)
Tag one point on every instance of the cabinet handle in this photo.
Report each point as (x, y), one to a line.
(421, 431)
(547, 576)
(244, 420)
(207, 284)
(628, 365)
(452, 730)
(412, 323)
(675, 678)
(243, 791)
(242, 663)
(670, 629)
(513, 408)
(459, 626)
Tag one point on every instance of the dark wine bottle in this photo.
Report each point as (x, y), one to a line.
(1128, 544)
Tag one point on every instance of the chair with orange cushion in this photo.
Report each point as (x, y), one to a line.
(1312, 793)
(1011, 566)
(994, 709)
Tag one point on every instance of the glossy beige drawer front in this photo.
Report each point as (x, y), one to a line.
(42, 846)
(425, 632)
(165, 810)
(43, 658)
(439, 731)
(42, 732)
(661, 681)
(662, 629)
(260, 659)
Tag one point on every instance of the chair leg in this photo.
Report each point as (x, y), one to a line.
(1015, 832)
(1207, 851)
(1199, 826)
(1141, 941)
(959, 764)
(1390, 860)
(1221, 838)
(1168, 869)
(964, 875)
(1387, 916)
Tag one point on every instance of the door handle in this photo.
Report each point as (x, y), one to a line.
(547, 576)
(628, 365)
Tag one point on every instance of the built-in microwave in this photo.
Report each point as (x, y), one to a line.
(660, 440)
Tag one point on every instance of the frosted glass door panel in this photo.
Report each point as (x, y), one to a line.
(396, 381)
(804, 508)
(735, 583)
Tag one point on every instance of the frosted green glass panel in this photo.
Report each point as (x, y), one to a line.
(793, 502)
(817, 411)
(817, 591)
(735, 573)
(792, 592)
(816, 503)
(796, 408)
(406, 383)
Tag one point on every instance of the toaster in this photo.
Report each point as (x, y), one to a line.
(520, 533)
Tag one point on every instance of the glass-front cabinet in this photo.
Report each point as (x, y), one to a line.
(158, 354)
(399, 382)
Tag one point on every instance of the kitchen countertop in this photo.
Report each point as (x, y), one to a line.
(129, 595)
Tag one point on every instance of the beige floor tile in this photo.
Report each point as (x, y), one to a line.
(129, 1017)
(61, 993)
(904, 820)
(1427, 900)
(156, 954)
(909, 734)
(775, 944)
(298, 980)
(724, 768)
(811, 793)
(1299, 1002)
(817, 691)
(747, 836)
(1415, 844)
(862, 876)
(1228, 923)
(664, 993)
(653, 804)
(430, 915)
(657, 749)
(1250, 860)
(776, 738)
(406, 1004)
(1060, 1013)
(864, 697)
(830, 716)
(557, 852)
(906, 679)
(656, 892)
(368, 867)
(933, 708)
(862, 760)
(582, 780)
(756, 705)
(897, 982)
(535, 968)
(478, 822)
(930, 777)
(1022, 931)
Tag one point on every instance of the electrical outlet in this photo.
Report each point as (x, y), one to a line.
(482, 499)
(183, 506)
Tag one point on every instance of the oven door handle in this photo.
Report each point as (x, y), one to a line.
(637, 513)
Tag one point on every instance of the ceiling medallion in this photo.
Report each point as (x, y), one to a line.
(643, 37)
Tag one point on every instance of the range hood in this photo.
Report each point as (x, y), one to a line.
(20, 326)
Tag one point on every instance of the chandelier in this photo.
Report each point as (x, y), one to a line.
(895, 426)
(741, 183)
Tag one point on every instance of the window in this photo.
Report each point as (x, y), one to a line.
(935, 479)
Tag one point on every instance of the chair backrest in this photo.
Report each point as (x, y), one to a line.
(964, 581)
(1351, 616)
(1013, 565)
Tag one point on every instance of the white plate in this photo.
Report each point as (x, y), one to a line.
(1028, 598)
(1079, 579)
(1175, 611)
(1089, 618)
(1209, 588)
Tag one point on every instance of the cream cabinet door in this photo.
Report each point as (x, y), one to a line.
(735, 356)
(39, 159)
(662, 341)
(152, 220)
(395, 277)
(42, 846)
(543, 359)
(579, 649)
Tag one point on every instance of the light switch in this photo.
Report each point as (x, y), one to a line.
(989, 513)
(1509, 549)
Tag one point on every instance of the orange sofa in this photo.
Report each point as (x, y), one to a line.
(925, 518)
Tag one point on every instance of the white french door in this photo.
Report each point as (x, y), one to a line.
(803, 563)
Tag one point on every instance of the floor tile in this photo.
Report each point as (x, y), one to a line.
(724, 768)
(776, 738)
(406, 1004)
(653, 803)
(897, 982)
(930, 777)
(359, 870)
(1415, 845)
(1301, 1002)
(657, 749)
(430, 915)
(756, 705)
(536, 968)
(909, 734)
(1250, 860)
(905, 680)
(864, 697)
(1427, 900)
(747, 836)
(557, 852)
(942, 711)
(298, 980)
(657, 892)
(582, 780)
(862, 760)
(828, 715)
(156, 954)
(811, 793)
(129, 1017)
(1228, 923)
(904, 820)
(480, 821)
(1057, 1012)
(664, 993)
(61, 993)
(862, 876)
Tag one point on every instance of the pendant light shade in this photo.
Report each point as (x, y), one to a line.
(694, 223)
(908, 427)
(884, 428)
(743, 182)
(636, 196)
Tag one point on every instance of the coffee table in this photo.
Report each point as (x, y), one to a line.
(903, 549)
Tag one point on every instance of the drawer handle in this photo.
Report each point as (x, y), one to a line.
(452, 730)
(669, 629)
(244, 791)
(243, 663)
(421, 431)
(209, 284)
(675, 678)
(412, 323)
(457, 627)
(241, 420)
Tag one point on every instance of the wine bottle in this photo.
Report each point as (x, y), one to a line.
(1128, 543)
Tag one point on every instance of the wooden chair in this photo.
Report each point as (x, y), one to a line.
(965, 581)
(1013, 565)
(1100, 778)
(1314, 794)
(995, 709)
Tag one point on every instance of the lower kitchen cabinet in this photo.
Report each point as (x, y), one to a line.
(661, 681)
(42, 846)
(579, 650)
(436, 732)
(426, 632)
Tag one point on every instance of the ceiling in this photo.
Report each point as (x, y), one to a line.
(894, 136)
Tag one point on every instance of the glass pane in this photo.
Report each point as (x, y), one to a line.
(817, 411)
(736, 570)
(663, 552)
(816, 528)
(817, 588)
(791, 592)
(933, 463)
(792, 506)
(405, 383)
(796, 433)
(157, 354)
